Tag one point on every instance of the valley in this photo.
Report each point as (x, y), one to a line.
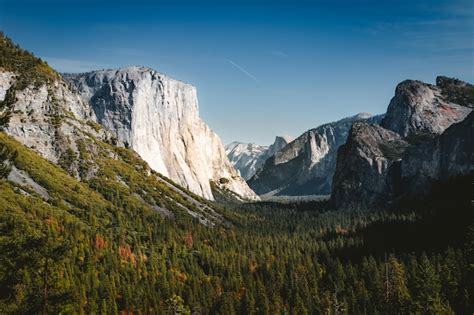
(117, 198)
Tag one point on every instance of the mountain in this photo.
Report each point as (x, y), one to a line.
(306, 165)
(420, 108)
(442, 158)
(40, 112)
(424, 138)
(246, 157)
(249, 157)
(365, 165)
(279, 143)
(158, 117)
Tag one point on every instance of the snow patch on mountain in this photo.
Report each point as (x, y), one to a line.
(249, 157)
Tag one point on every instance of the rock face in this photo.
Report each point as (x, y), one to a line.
(158, 117)
(448, 155)
(367, 166)
(427, 138)
(49, 118)
(41, 111)
(418, 107)
(247, 158)
(306, 165)
(279, 143)
(6, 81)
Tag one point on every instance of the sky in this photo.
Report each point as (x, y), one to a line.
(261, 68)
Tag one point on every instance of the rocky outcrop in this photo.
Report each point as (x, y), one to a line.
(306, 165)
(420, 108)
(427, 138)
(50, 118)
(367, 166)
(6, 81)
(158, 117)
(279, 143)
(448, 155)
(247, 158)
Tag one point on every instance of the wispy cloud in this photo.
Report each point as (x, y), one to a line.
(243, 70)
(279, 53)
(72, 65)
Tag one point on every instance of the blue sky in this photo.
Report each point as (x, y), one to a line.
(262, 68)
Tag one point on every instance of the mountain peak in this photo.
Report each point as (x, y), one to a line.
(285, 138)
(362, 115)
(421, 107)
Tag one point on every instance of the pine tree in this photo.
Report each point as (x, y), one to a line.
(399, 296)
(428, 287)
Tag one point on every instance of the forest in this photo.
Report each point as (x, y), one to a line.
(106, 255)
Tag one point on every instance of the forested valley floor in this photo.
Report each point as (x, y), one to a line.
(89, 249)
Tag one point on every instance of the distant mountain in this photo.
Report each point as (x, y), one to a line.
(425, 137)
(306, 165)
(249, 157)
(158, 117)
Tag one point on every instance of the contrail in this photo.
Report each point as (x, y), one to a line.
(243, 70)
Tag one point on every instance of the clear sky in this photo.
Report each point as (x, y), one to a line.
(262, 68)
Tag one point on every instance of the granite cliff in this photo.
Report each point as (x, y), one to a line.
(307, 164)
(158, 117)
(425, 137)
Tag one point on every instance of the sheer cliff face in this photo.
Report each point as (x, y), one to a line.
(247, 158)
(307, 164)
(158, 117)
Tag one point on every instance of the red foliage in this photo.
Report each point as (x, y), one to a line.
(252, 265)
(188, 239)
(100, 242)
(126, 254)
